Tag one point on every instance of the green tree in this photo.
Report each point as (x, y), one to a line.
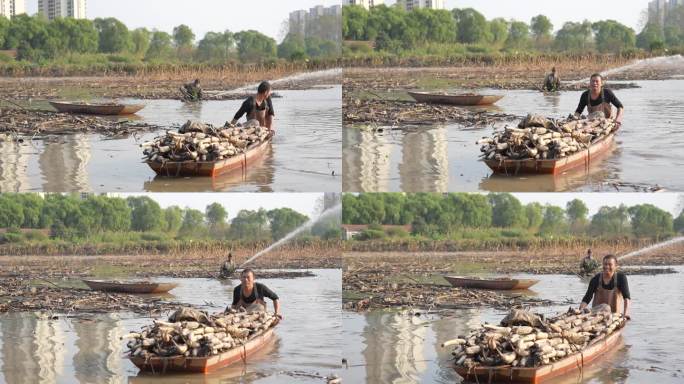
(216, 46)
(499, 31)
(574, 37)
(534, 212)
(140, 39)
(284, 221)
(11, 212)
(193, 224)
(106, 214)
(74, 35)
(541, 27)
(31, 38)
(610, 221)
(146, 214)
(114, 35)
(160, 46)
(255, 46)
(471, 25)
(292, 48)
(613, 37)
(390, 21)
(32, 206)
(173, 219)
(4, 29)
(507, 211)
(554, 221)
(354, 20)
(577, 214)
(216, 214)
(678, 223)
(183, 36)
(650, 221)
(518, 35)
(250, 226)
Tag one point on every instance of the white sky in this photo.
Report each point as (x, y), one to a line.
(265, 16)
(625, 11)
(304, 203)
(666, 201)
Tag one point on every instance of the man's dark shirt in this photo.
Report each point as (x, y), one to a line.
(260, 291)
(607, 94)
(250, 103)
(593, 285)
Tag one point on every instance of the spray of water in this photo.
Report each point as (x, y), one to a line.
(295, 77)
(652, 247)
(660, 61)
(336, 210)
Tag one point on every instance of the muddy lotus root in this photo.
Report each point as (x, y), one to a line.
(209, 336)
(532, 345)
(537, 137)
(196, 141)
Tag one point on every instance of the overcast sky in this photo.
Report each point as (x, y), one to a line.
(265, 16)
(667, 201)
(304, 203)
(625, 11)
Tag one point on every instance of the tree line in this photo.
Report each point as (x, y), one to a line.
(394, 30)
(70, 217)
(447, 215)
(38, 40)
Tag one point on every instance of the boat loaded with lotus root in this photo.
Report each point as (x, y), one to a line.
(547, 146)
(199, 149)
(527, 348)
(192, 341)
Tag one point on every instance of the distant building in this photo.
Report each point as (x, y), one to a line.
(410, 5)
(53, 9)
(659, 9)
(298, 22)
(11, 8)
(368, 4)
(304, 23)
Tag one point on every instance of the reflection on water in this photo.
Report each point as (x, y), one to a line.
(407, 160)
(398, 347)
(88, 349)
(645, 153)
(305, 152)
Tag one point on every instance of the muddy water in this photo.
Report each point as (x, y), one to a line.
(302, 157)
(445, 157)
(396, 347)
(88, 349)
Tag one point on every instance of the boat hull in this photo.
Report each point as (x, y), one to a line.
(465, 100)
(113, 109)
(208, 364)
(141, 287)
(212, 168)
(571, 364)
(504, 284)
(595, 152)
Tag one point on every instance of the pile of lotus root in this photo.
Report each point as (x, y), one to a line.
(525, 339)
(203, 142)
(537, 137)
(192, 333)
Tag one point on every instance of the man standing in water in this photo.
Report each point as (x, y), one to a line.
(250, 295)
(228, 267)
(609, 287)
(589, 264)
(191, 91)
(552, 81)
(598, 101)
(258, 107)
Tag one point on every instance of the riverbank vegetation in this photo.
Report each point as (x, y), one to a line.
(462, 221)
(75, 224)
(389, 35)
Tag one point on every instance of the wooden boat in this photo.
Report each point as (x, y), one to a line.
(497, 284)
(599, 149)
(129, 287)
(213, 168)
(205, 364)
(97, 109)
(465, 99)
(571, 364)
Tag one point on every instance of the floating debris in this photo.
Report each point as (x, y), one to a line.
(538, 137)
(524, 339)
(196, 141)
(38, 124)
(192, 333)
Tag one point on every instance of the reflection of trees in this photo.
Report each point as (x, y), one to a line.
(425, 161)
(32, 350)
(394, 348)
(366, 161)
(13, 167)
(64, 165)
(99, 351)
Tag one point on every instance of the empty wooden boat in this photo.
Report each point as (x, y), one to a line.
(494, 284)
(464, 99)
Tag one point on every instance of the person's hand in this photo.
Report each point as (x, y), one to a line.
(279, 316)
(586, 310)
(627, 317)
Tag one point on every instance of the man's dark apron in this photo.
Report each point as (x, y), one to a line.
(604, 107)
(259, 115)
(258, 305)
(612, 297)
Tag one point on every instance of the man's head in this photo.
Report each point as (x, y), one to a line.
(264, 89)
(609, 264)
(553, 70)
(589, 252)
(197, 82)
(596, 82)
(247, 278)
